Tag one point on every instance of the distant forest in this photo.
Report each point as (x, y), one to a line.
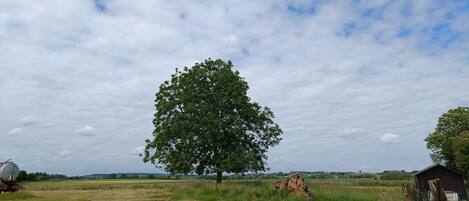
(385, 175)
(38, 176)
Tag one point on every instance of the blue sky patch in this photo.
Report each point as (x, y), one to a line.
(347, 29)
(404, 32)
(466, 59)
(376, 13)
(100, 6)
(443, 34)
(350, 28)
(301, 10)
(406, 10)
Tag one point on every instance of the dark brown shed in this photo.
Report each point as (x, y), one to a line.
(451, 180)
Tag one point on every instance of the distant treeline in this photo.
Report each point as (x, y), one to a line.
(38, 176)
(386, 175)
(129, 176)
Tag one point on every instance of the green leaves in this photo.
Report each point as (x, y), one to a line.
(205, 123)
(460, 145)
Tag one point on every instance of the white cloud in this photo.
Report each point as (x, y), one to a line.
(65, 153)
(15, 131)
(294, 129)
(138, 150)
(231, 39)
(350, 131)
(29, 120)
(87, 131)
(390, 138)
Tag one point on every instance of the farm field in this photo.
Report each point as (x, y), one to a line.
(202, 190)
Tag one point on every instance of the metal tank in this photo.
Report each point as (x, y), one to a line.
(9, 171)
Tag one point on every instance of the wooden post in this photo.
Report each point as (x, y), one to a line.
(436, 190)
(407, 191)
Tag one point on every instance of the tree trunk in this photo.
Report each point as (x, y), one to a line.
(219, 177)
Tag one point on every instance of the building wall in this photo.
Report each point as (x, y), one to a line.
(450, 181)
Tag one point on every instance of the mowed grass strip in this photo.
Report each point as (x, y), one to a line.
(98, 184)
(200, 190)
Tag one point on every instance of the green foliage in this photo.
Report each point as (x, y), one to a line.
(112, 176)
(205, 123)
(461, 152)
(38, 176)
(447, 142)
(22, 176)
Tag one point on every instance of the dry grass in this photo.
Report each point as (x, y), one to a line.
(160, 190)
(105, 195)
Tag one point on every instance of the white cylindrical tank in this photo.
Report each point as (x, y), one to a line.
(9, 171)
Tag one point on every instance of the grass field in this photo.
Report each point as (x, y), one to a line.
(197, 190)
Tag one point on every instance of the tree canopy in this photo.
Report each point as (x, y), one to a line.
(461, 153)
(449, 143)
(206, 123)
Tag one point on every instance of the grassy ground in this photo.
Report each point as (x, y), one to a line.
(187, 190)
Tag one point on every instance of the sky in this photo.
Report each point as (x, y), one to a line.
(355, 85)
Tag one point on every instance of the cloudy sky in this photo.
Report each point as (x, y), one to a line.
(355, 85)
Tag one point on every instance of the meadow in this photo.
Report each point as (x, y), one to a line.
(203, 190)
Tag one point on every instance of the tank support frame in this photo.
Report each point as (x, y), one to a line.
(9, 187)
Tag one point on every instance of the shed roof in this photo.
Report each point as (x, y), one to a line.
(434, 166)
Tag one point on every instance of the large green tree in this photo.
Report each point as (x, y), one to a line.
(449, 142)
(206, 123)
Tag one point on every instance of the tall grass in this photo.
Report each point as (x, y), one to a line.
(200, 190)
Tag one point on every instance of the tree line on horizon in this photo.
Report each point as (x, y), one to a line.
(385, 175)
(38, 176)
